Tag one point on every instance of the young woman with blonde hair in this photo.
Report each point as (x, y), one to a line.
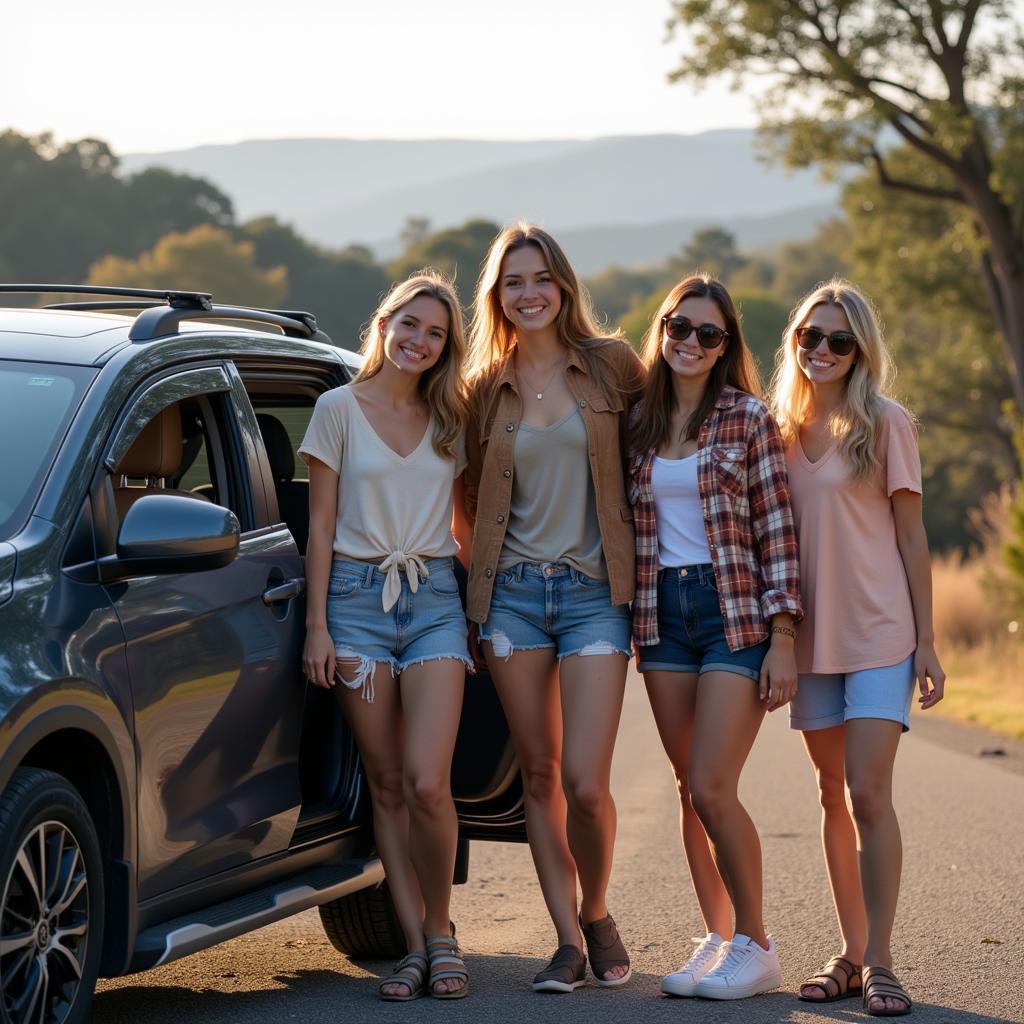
(867, 637)
(384, 617)
(717, 596)
(552, 569)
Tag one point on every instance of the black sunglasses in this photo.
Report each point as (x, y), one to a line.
(679, 328)
(842, 343)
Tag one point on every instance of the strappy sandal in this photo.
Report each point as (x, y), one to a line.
(881, 983)
(410, 971)
(835, 979)
(566, 972)
(605, 949)
(446, 962)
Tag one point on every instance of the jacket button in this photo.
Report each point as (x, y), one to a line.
(501, 518)
(583, 404)
(488, 573)
(510, 427)
(507, 473)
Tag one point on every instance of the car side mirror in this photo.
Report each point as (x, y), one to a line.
(164, 534)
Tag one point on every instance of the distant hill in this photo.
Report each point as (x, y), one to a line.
(641, 189)
(593, 249)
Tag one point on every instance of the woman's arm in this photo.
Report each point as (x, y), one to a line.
(318, 653)
(913, 544)
(462, 529)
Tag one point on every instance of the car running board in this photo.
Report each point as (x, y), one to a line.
(188, 934)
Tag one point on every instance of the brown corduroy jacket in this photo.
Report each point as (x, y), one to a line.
(495, 411)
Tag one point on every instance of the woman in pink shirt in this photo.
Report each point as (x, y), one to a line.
(867, 636)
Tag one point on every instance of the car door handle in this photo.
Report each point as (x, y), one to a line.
(284, 591)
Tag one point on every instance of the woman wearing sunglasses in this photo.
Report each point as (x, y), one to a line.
(867, 636)
(717, 595)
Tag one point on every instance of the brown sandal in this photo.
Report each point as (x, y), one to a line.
(605, 950)
(881, 983)
(411, 972)
(835, 979)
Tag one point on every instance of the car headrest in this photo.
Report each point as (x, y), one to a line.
(278, 445)
(156, 452)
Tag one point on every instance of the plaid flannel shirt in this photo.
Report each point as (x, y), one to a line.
(744, 492)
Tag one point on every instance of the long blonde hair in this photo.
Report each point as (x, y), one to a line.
(442, 385)
(492, 335)
(735, 367)
(858, 420)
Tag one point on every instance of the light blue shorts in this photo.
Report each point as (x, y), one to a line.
(822, 701)
(551, 604)
(426, 626)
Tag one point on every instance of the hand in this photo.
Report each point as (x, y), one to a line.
(927, 667)
(777, 685)
(318, 657)
(475, 650)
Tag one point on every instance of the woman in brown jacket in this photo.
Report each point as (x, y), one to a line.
(553, 569)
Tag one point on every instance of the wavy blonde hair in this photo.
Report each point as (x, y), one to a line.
(442, 386)
(735, 367)
(858, 420)
(492, 335)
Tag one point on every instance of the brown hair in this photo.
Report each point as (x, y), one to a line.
(735, 367)
(442, 385)
(492, 335)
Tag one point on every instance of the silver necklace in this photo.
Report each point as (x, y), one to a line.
(540, 393)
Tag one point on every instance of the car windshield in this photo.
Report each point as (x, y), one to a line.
(37, 400)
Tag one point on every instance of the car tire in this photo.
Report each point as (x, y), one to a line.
(364, 924)
(48, 846)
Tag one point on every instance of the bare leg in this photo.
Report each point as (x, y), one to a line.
(592, 688)
(379, 736)
(871, 745)
(725, 726)
(673, 697)
(431, 705)
(529, 696)
(827, 751)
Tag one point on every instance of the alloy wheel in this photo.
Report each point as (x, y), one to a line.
(44, 926)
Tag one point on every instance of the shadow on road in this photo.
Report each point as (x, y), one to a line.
(499, 991)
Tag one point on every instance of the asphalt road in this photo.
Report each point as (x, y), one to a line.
(958, 943)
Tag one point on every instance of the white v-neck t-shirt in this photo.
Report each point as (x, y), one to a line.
(392, 510)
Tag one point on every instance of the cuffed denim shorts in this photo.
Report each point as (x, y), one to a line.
(823, 700)
(691, 628)
(426, 626)
(551, 604)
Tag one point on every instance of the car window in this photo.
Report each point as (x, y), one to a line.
(295, 419)
(37, 401)
(209, 468)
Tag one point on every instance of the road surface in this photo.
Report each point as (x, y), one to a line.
(958, 943)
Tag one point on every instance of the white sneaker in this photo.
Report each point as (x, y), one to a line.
(683, 981)
(743, 969)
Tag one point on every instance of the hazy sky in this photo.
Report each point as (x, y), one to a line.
(148, 76)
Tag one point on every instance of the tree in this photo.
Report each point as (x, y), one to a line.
(341, 287)
(944, 77)
(615, 290)
(65, 206)
(205, 259)
(459, 252)
(710, 251)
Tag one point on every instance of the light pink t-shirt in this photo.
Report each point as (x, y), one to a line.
(856, 599)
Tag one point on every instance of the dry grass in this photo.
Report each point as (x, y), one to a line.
(981, 648)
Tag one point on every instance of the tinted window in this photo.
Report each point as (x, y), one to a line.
(37, 400)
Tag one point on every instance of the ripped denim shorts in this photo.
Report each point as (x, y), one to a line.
(551, 604)
(426, 626)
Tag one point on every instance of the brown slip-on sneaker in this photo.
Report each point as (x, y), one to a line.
(566, 972)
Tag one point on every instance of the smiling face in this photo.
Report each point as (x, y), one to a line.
(821, 365)
(415, 334)
(687, 358)
(529, 296)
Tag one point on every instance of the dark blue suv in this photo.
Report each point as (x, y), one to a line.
(168, 780)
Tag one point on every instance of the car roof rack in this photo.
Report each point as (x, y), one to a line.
(162, 310)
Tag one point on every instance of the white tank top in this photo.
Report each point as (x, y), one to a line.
(678, 514)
